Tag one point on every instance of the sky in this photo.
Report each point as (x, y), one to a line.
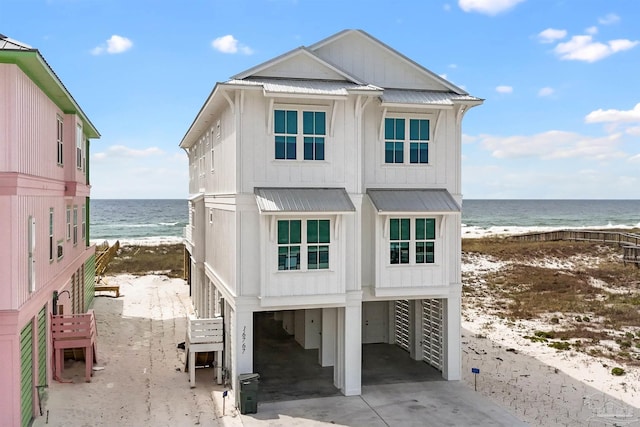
(560, 80)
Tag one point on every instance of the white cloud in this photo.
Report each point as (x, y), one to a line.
(614, 116)
(609, 19)
(120, 151)
(546, 91)
(115, 44)
(635, 159)
(504, 89)
(229, 44)
(583, 48)
(633, 131)
(453, 66)
(592, 30)
(446, 7)
(552, 145)
(444, 76)
(550, 35)
(487, 7)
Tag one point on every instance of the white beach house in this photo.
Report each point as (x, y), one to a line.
(325, 186)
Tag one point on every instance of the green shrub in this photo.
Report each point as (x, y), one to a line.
(560, 345)
(617, 372)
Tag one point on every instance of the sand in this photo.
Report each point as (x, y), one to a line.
(143, 380)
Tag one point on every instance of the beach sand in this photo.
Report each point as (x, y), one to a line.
(143, 381)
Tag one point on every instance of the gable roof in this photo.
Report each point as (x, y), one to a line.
(33, 64)
(331, 39)
(291, 54)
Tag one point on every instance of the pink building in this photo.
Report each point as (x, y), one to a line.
(46, 262)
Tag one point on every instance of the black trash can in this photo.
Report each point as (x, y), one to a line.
(248, 393)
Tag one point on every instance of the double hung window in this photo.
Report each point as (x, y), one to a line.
(407, 247)
(79, 145)
(50, 234)
(402, 134)
(287, 133)
(59, 140)
(75, 225)
(297, 238)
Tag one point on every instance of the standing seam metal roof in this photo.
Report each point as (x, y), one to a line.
(307, 87)
(413, 200)
(429, 97)
(273, 200)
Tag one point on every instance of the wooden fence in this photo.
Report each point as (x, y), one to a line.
(629, 242)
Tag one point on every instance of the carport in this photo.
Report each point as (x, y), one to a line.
(288, 371)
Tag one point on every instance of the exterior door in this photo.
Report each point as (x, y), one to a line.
(375, 322)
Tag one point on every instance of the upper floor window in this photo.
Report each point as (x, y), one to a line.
(303, 240)
(59, 139)
(50, 234)
(75, 225)
(84, 224)
(79, 144)
(287, 131)
(405, 246)
(68, 218)
(402, 135)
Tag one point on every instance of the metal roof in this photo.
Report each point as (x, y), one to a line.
(281, 200)
(427, 97)
(413, 200)
(10, 44)
(304, 87)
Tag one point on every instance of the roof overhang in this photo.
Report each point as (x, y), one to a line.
(286, 201)
(413, 201)
(38, 70)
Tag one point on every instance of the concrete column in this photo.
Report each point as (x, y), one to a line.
(243, 345)
(415, 329)
(338, 368)
(353, 345)
(327, 353)
(288, 322)
(451, 340)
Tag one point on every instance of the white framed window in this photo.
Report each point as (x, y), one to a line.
(288, 133)
(303, 245)
(406, 140)
(31, 259)
(412, 240)
(60, 144)
(79, 146)
(213, 156)
(83, 230)
(68, 218)
(210, 215)
(60, 249)
(50, 234)
(75, 225)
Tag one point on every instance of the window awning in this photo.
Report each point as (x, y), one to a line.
(390, 201)
(306, 200)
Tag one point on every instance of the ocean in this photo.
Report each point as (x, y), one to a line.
(163, 221)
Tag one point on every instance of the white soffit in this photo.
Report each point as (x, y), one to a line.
(413, 200)
(296, 200)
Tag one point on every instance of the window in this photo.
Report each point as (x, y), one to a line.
(318, 244)
(419, 141)
(286, 130)
(293, 250)
(313, 128)
(59, 138)
(399, 236)
(75, 225)
(68, 222)
(79, 142)
(84, 224)
(425, 240)
(60, 247)
(50, 234)
(289, 234)
(212, 160)
(420, 248)
(31, 259)
(395, 140)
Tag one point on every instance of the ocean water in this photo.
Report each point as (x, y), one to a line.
(163, 221)
(138, 221)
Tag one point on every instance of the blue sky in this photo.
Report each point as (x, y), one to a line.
(560, 79)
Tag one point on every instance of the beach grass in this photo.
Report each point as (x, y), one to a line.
(580, 290)
(141, 260)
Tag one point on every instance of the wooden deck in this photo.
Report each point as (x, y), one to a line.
(629, 242)
(104, 255)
